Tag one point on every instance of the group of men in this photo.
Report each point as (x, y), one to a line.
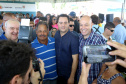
(62, 55)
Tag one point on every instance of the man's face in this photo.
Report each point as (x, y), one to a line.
(85, 26)
(12, 30)
(32, 15)
(5, 18)
(71, 25)
(63, 24)
(42, 33)
(110, 31)
(53, 32)
(26, 79)
(39, 14)
(27, 15)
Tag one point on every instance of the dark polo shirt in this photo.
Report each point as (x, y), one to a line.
(65, 46)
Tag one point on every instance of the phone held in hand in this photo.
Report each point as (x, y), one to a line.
(97, 54)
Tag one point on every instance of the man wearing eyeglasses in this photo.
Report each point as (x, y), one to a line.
(108, 31)
(71, 27)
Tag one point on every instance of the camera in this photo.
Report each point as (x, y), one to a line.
(98, 54)
(35, 64)
(36, 67)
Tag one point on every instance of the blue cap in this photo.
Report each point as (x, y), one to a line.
(72, 14)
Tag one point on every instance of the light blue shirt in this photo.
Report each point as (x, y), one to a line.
(119, 34)
(101, 29)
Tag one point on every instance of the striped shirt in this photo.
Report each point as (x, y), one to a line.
(93, 39)
(48, 55)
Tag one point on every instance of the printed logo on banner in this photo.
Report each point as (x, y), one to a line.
(0, 7)
(23, 6)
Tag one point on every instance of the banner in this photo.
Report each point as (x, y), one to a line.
(17, 7)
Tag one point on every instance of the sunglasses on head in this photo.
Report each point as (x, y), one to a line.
(71, 25)
(110, 30)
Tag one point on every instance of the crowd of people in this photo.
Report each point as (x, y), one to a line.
(58, 44)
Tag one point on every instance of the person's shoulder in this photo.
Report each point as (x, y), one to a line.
(99, 37)
(71, 35)
(34, 41)
(57, 33)
(118, 80)
(51, 38)
(2, 37)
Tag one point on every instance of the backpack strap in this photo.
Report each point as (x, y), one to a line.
(97, 29)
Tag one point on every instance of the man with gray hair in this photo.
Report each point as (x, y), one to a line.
(7, 16)
(11, 30)
(120, 32)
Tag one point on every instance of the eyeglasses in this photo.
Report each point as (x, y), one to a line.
(71, 25)
(110, 30)
(54, 19)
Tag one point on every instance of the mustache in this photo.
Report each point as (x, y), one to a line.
(42, 35)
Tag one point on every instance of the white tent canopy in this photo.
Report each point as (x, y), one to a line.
(58, 1)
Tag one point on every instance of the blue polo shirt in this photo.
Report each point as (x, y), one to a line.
(2, 37)
(66, 46)
(48, 55)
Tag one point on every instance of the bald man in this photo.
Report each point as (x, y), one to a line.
(120, 31)
(6, 17)
(11, 30)
(89, 37)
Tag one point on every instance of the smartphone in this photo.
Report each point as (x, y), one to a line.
(97, 54)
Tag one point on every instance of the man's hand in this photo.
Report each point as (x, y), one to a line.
(84, 73)
(41, 64)
(70, 80)
(121, 51)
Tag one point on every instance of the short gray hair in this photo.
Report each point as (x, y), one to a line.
(11, 20)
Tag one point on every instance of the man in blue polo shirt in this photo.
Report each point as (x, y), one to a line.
(11, 30)
(45, 50)
(67, 49)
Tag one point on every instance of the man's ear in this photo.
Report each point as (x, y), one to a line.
(16, 80)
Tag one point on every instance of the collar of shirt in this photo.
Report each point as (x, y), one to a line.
(3, 35)
(96, 26)
(36, 40)
(118, 25)
(82, 36)
(64, 34)
(105, 38)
